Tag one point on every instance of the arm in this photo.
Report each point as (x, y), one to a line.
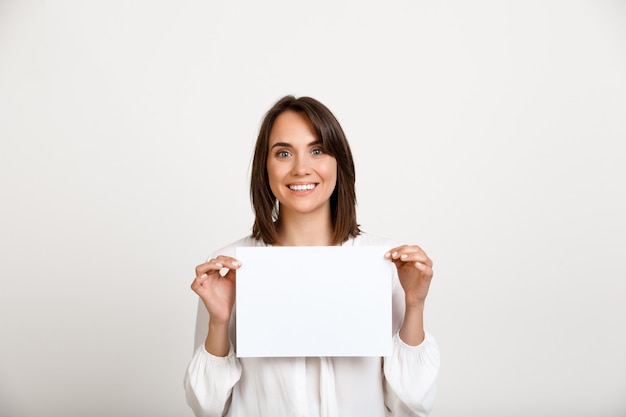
(410, 377)
(214, 369)
(411, 371)
(415, 271)
(209, 381)
(217, 292)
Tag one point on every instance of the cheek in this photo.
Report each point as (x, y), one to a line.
(331, 170)
(272, 171)
(275, 174)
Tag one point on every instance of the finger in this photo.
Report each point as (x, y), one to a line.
(208, 268)
(227, 262)
(415, 257)
(408, 253)
(395, 253)
(426, 270)
(198, 282)
(217, 264)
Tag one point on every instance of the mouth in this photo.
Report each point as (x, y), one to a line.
(301, 187)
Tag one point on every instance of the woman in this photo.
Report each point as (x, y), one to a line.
(302, 191)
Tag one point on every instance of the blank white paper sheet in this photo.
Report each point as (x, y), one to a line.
(313, 301)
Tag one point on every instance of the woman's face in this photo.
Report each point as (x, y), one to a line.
(301, 175)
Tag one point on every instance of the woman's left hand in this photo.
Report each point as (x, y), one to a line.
(415, 271)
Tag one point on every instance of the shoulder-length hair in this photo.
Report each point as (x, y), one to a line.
(334, 143)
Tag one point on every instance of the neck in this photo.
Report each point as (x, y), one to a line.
(296, 229)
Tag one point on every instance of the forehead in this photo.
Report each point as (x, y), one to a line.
(292, 127)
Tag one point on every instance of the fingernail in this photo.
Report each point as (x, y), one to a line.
(236, 263)
(203, 276)
(395, 254)
(387, 255)
(218, 264)
(404, 256)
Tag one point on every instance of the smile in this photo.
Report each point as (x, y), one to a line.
(302, 187)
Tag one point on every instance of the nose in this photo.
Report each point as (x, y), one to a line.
(301, 165)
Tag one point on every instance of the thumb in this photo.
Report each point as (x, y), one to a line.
(231, 275)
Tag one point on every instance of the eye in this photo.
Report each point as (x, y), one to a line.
(282, 154)
(317, 151)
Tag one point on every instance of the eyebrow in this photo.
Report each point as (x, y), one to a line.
(288, 145)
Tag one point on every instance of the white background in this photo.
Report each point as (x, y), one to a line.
(491, 133)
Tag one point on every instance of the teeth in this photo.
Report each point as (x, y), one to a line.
(302, 187)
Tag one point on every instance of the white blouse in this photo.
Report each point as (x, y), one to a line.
(400, 385)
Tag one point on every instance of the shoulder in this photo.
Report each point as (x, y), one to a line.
(229, 250)
(371, 239)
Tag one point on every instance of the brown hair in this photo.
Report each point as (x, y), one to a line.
(334, 142)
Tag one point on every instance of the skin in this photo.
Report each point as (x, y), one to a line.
(296, 158)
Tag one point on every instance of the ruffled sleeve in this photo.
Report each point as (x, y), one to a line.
(209, 382)
(209, 379)
(410, 376)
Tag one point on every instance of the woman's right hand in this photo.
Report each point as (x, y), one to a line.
(217, 291)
